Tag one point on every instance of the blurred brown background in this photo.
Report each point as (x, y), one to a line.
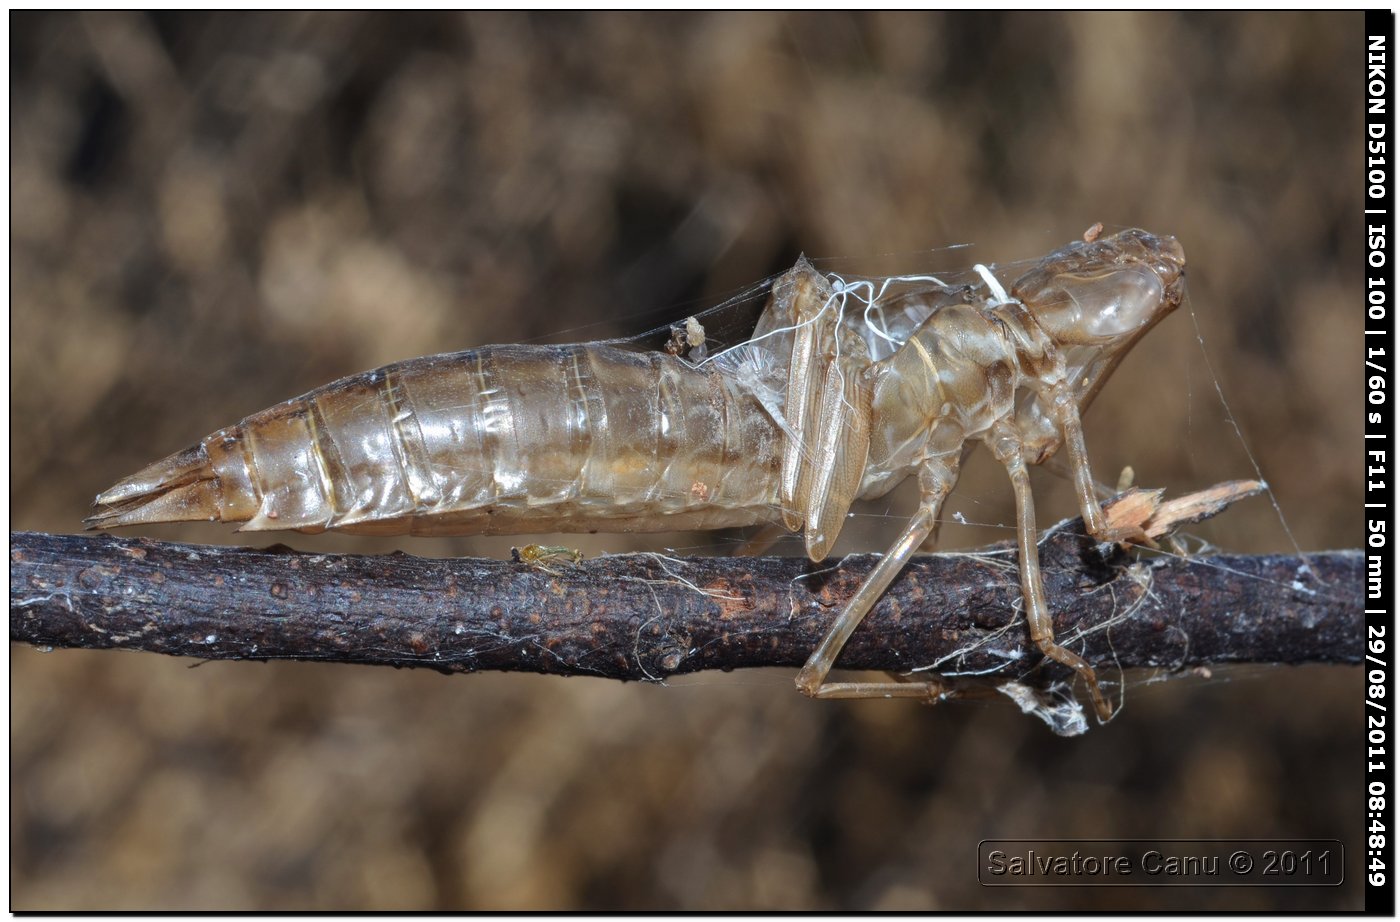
(213, 213)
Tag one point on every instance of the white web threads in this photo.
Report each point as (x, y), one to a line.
(760, 368)
(999, 294)
(873, 316)
(771, 333)
(864, 291)
(837, 296)
(1055, 705)
(1239, 434)
(872, 305)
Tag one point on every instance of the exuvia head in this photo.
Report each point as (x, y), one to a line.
(1107, 292)
(1094, 300)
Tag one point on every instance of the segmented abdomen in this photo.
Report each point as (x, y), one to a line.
(504, 439)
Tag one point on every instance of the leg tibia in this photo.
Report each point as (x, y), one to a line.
(1042, 630)
(936, 479)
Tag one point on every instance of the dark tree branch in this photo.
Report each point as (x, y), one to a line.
(647, 617)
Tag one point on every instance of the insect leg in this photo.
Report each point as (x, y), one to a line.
(1006, 446)
(1078, 454)
(932, 689)
(936, 479)
(931, 542)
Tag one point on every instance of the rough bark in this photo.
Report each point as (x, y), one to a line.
(648, 617)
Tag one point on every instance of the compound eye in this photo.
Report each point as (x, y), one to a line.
(1099, 307)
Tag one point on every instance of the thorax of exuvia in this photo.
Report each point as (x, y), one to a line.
(949, 382)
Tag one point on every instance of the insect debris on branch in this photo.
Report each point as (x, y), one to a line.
(839, 390)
